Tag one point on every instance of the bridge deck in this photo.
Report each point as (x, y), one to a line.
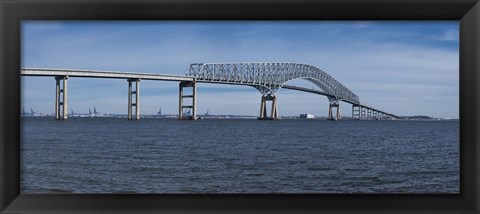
(151, 76)
(102, 74)
(291, 87)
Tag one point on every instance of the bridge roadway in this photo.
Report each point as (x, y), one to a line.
(61, 76)
(347, 101)
(102, 74)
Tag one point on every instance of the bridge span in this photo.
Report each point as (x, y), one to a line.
(268, 78)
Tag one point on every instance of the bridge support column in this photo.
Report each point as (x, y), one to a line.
(363, 114)
(131, 102)
(356, 112)
(375, 115)
(369, 114)
(191, 108)
(334, 104)
(61, 102)
(263, 108)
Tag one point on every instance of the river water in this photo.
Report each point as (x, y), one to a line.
(114, 155)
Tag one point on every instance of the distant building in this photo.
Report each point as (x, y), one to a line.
(307, 116)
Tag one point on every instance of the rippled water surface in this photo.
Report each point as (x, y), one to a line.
(105, 155)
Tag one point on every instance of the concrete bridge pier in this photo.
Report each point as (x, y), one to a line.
(356, 112)
(334, 103)
(369, 114)
(61, 102)
(390, 117)
(363, 114)
(134, 103)
(263, 108)
(330, 111)
(386, 117)
(375, 115)
(193, 107)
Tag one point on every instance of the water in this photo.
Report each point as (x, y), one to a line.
(114, 155)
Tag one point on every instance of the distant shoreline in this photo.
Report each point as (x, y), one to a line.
(407, 118)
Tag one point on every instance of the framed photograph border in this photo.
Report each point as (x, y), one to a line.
(12, 12)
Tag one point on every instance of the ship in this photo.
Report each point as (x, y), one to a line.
(306, 116)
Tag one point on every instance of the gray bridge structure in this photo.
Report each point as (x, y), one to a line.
(267, 77)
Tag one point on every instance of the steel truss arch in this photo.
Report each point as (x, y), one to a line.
(269, 77)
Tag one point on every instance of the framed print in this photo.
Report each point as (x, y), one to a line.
(311, 106)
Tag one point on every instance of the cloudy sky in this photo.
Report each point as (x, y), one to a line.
(406, 68)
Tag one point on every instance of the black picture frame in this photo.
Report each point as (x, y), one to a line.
(13, 11)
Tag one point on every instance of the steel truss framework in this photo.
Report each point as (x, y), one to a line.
(269, 77)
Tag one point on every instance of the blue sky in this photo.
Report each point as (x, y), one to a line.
(406, 68)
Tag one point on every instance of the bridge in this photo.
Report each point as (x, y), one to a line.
(266, 77)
